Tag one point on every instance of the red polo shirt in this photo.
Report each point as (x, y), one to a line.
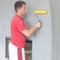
(17, 26)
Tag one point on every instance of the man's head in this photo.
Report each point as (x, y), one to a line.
(20, 7)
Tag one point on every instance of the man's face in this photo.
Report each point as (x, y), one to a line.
(22, 10)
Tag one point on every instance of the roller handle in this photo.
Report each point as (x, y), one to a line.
(39, 20)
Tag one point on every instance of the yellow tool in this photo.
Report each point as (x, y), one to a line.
(41, 12)
(37, 12)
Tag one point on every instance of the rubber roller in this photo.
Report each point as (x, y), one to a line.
(40, 12)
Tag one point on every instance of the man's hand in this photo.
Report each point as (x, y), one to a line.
(38, 24)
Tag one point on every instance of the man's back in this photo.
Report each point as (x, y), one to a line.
(17, 37)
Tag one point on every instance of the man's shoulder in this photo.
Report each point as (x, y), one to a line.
(17, 19)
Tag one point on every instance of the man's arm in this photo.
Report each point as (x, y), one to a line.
(31, 30)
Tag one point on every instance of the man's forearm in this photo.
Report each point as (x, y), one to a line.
(31, 30)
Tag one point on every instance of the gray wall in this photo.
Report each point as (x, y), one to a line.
(6, 12)
(55, 10)
(45, 43)
(42, 40)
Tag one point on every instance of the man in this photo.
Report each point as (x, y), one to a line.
(19, 32)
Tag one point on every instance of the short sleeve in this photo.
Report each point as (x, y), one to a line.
(20, 25)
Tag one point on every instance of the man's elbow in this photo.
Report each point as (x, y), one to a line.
(26, 33)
